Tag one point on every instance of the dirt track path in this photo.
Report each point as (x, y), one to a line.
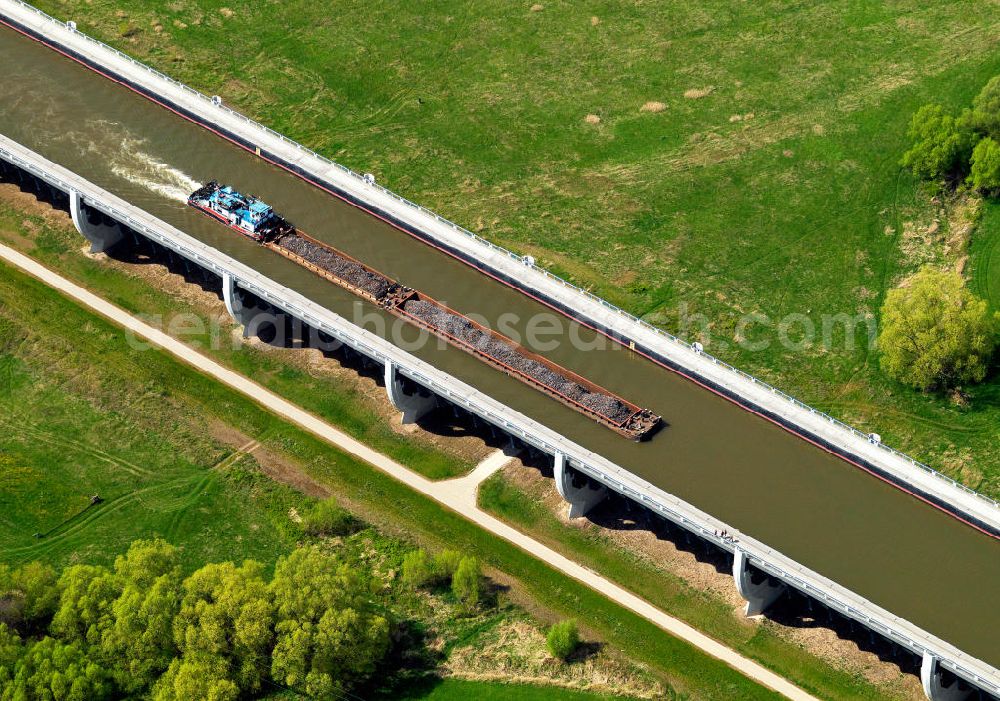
(459, 495)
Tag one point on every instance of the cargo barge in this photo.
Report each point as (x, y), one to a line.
(252, 218)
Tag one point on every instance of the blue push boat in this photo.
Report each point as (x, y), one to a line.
(246, 214)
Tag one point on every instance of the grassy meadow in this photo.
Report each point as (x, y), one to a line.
(461, 690)
(724, 159)
(79, 417)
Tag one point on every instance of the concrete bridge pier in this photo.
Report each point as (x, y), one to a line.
(250, 318)
(758, 595)
(934, 686)
(231, 296)
(576, 488)
(101, 236)
(413, 406)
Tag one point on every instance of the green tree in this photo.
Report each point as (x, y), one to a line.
(11, 649)
(29, 596)
(326, 518)
(935, 333)
(985, 115)
(329, 637)
(563, 638)
(417, 570)
(139, 645)
(466, 582)
(985, 173)
(941, 146)
(87, 593)
(226, 622)
(146, 561)
(445, 564)
(196, 677)
(50, 669)
(39, 584)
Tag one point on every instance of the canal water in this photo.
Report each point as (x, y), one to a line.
(829, 515)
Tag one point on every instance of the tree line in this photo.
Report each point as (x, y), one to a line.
(321, 625)
(225, 631)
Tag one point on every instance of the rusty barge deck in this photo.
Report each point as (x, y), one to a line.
(491, 347)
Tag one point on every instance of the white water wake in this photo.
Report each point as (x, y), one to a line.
(124, 153)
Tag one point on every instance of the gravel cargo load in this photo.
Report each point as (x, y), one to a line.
(347, 270)
(461, 328)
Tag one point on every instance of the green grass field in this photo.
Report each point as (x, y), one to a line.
(986, 257)
(745, 159)
(74, 425)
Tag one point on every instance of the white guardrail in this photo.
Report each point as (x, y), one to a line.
(595, 466)
(479, 240)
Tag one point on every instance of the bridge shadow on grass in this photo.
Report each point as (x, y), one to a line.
(795, 610)
(135, 249)
(28, 184)
(619, 513)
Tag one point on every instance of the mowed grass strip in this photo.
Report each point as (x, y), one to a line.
(79, 420)
(702, 609)
(677, 158)
(985, 256)
(95, 352)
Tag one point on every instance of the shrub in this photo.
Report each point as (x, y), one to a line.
(941, 145)
(985, 173)
(563, 639)
(327, 518)
(417, 570)
(465, 583)
(935, 333)
(445, 564)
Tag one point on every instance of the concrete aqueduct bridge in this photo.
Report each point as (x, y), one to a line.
(583, 478)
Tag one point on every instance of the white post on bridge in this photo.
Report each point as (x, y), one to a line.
(934, 688)
(758, 595)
